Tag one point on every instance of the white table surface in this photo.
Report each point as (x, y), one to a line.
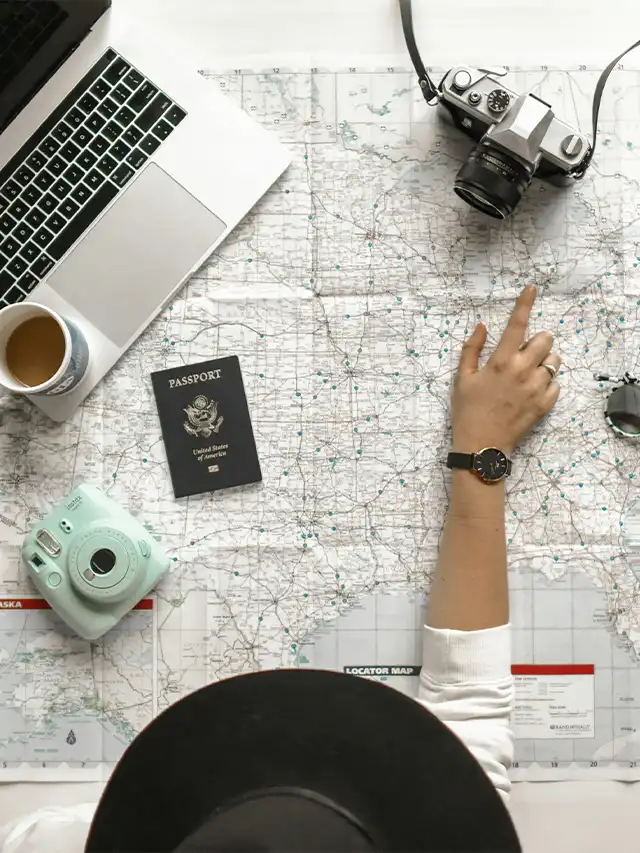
(561, 816)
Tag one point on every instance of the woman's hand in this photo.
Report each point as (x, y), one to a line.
(496, 405)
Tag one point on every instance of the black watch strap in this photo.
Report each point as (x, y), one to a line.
(460, 460)
(465, 461)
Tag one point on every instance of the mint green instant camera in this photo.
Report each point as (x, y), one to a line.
(92, 561)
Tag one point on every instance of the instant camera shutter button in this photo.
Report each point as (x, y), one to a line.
(53, 579)
(145, 550)
(461, 80)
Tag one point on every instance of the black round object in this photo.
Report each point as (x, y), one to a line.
(299, 760)
(623, 410)
(492, 180)
(102, 561)
(491, 464)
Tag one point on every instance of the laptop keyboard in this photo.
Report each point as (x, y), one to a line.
(25, 25)
(74, 165)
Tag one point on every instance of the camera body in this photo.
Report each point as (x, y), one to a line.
(92, 561)
(518, 136)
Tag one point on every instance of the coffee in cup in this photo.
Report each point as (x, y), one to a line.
(35, 350)
(41, 353)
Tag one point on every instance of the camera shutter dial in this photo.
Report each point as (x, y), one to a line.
(498, 101)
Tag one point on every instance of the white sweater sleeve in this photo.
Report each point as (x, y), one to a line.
(466, 682)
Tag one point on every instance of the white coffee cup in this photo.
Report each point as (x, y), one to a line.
(71, 356)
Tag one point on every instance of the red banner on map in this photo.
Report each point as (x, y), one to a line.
(42, 604)
(553, 669)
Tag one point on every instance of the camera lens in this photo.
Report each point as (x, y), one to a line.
(103, 561)
(623, 410)
(628, 425)
(492, 181)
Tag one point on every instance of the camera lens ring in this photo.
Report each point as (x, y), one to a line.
(483, 205)
(492, 180)
(625, 433)
(626, 425)
(103, 586)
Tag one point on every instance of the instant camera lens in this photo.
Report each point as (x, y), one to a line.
(623, 410)
(492, 181)
(102, 561)
(104, 564)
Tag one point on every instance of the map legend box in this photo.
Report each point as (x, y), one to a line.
(554, 701)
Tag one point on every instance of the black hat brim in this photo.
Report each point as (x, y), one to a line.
(374, 755)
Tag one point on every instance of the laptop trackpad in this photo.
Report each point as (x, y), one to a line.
(129, 262)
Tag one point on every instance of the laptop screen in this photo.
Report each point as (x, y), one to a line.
(35, 37)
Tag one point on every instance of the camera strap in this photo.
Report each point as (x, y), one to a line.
(595, 109)
(427, 86)
(432, 95)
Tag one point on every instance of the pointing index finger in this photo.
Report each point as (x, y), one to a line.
(516, 329)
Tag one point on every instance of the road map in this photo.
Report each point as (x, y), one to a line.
(346, 294)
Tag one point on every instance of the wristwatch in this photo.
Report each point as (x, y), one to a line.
(490, 464)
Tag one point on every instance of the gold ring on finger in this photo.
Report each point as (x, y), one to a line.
(551, 369)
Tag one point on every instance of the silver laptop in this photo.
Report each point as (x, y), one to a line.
(120, 172)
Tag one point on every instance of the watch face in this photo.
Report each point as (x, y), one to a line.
(491, 464)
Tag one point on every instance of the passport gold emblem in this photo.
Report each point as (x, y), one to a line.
(202, 417)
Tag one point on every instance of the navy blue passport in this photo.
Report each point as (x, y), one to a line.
(206, 426)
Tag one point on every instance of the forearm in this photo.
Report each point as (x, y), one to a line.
(466, 682)
(469, 591)
(466, 674)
